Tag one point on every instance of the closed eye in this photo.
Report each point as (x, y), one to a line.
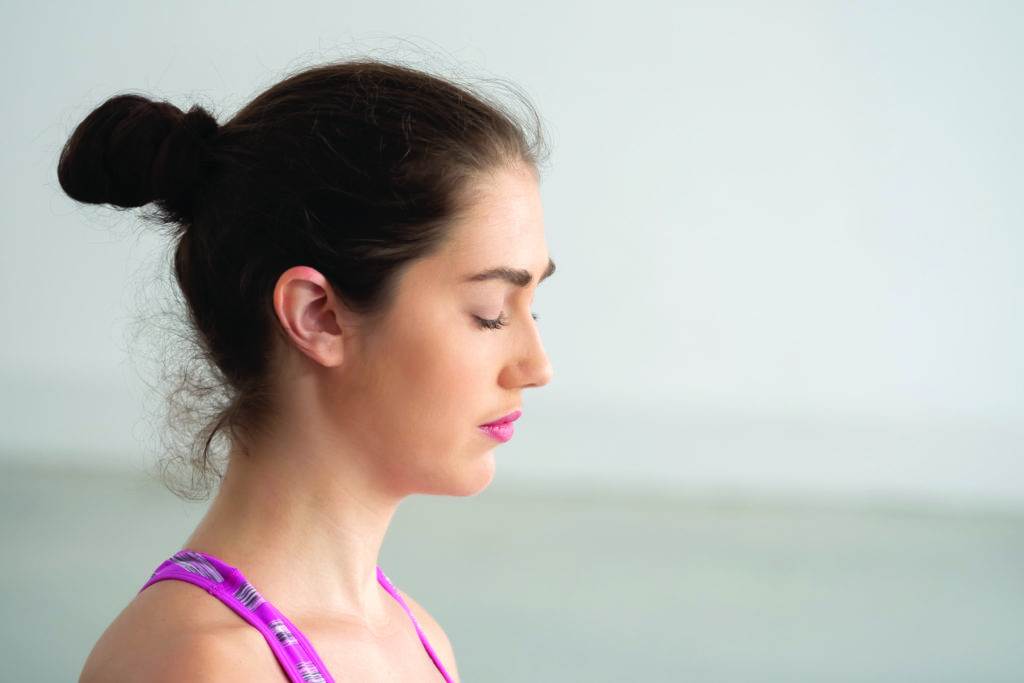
(497, 323)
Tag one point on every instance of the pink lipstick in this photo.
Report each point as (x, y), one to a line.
(502, 429)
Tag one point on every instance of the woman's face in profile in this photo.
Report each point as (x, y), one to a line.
(432, 371)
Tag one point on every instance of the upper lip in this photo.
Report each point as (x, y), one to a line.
(511, 417)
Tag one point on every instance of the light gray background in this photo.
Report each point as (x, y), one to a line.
(789, 272)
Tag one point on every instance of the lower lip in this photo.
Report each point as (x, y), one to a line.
(502, 432)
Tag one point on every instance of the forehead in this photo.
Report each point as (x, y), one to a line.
(501, 222)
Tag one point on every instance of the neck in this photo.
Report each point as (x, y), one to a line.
(306, 531)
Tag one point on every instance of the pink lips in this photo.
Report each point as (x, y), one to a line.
(502, 429)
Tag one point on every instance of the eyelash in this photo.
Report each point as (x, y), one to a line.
(497, 323)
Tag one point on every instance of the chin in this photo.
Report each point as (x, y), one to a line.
(473, 478)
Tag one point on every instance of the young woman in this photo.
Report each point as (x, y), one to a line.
(358, 249)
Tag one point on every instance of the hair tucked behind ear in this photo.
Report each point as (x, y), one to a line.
(354, 168)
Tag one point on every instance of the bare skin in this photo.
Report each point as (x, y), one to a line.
(369, 414)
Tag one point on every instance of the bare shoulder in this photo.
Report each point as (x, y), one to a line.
(435, 634)
(175, 631)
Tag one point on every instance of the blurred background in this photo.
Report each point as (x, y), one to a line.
(783, 440)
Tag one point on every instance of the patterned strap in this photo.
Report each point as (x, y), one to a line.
(294, 653)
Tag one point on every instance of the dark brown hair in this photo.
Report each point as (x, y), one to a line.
(354, 168)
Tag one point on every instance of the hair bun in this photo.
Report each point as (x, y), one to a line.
(131, 151)
(181, 161)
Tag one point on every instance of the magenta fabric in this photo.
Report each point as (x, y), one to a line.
(293, 651)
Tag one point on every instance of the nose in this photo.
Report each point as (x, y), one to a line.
(540, 372)
(530, 366)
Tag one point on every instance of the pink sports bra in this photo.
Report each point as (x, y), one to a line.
(293, 651)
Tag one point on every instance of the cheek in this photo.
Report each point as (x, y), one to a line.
(437, 367)
(438, 371)
(455, 377)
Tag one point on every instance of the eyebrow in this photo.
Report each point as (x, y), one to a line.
(515, 276)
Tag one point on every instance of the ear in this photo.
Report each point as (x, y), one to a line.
(312, 317)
